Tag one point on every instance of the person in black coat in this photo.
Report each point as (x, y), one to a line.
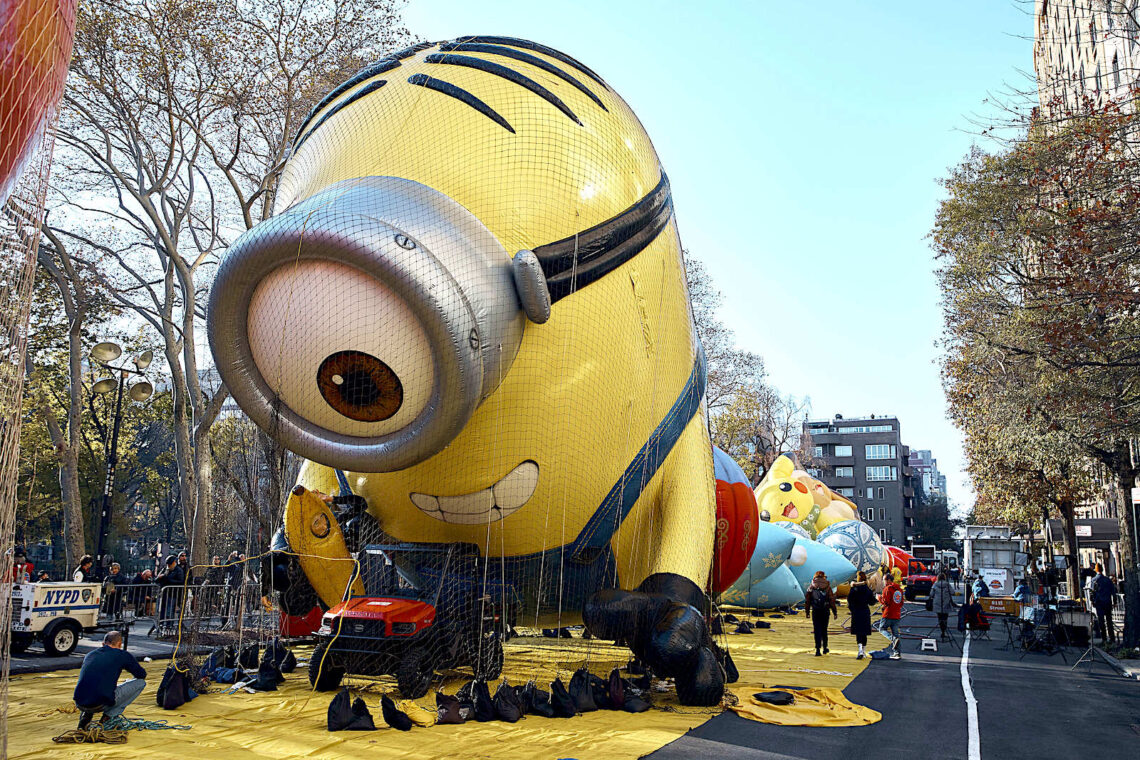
(859, 600)
(113, 591)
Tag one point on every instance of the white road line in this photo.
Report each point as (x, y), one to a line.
(975, 743)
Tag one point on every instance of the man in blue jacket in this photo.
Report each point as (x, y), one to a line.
(98, 688)
(1102, 591)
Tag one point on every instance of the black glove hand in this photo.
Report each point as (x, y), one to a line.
(663, 625)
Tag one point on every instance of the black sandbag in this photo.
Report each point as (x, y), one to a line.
(706, 687)
(482, 702)
(275, 652)
(550, 633)
(173, 690)
(761, 624)
(601, 692)
(250, 656)
(211, 664)
(507, 705)
(581, 692)
(743, 628)
(289, 664)
(730, 618)
(717, 627)
(466, 711)
(731, 674)
(775, 615)
(268, 676)
(446, 709)
(526, 696)
(561, 700)
(362, 719)
(635, 703)
(394, 716)
(616, 690)
(645, 682)
(466, 693)
(539, 701)
(564, 633)
(775, 697)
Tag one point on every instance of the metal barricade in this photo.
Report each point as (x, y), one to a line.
(206, 608)
(126, 602)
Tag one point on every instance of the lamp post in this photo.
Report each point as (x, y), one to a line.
(104, 354)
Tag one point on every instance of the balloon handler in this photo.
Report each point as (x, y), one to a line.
(502, 352)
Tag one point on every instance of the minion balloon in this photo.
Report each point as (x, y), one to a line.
(469, 314)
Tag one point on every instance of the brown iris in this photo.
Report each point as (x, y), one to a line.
(360, 386)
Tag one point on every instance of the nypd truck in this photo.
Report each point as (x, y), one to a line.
(55, 613)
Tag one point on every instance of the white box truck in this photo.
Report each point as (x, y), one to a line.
(991, 551)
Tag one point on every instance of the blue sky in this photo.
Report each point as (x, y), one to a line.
(803, 142)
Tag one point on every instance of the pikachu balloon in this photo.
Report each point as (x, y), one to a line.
(469, 312)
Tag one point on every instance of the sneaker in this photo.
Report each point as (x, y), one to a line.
(896, 656)
(85, 718)
(859, 656)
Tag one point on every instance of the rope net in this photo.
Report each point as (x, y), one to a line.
(469, 314)
(35, 44)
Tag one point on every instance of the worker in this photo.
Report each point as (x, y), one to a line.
(98, 688)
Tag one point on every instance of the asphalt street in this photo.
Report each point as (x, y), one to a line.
(35, 660)
(1034, 707)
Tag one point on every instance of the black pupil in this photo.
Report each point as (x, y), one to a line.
(358, 388)
(785, 486)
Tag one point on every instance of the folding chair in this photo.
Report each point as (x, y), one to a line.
(978, 626)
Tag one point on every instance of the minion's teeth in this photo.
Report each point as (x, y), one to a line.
(492, 504)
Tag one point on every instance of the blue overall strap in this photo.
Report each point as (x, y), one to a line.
(345, 488)
(620, 500)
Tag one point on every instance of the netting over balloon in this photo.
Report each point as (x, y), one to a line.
(469, 313)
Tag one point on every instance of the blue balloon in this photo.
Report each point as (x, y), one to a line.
(779, 589)
(725, 468)
(838, 568)
(773, 547)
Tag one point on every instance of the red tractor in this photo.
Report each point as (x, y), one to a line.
(919, 579)
(427, 608)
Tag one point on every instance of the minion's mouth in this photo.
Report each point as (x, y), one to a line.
(791, 512)
(488, 505)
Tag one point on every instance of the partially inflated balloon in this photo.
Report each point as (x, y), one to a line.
(736, 519)
(836, 511)
(819, 557)
(857, 542)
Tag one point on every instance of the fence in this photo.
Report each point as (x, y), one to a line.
(198, 608)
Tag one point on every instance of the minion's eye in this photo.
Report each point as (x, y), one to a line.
(785, 487)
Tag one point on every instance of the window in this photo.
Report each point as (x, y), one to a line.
(848, 492)
(880, 473)
(870, 493)
(882, 513)
(817, 451)
(869, 515)
(883, 534)
(881, 451)
(844, 472)
(865, 429)
(814, 472)
(842, 451)
(1115, 70)
(882, 493)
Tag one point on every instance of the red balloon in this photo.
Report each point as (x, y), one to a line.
(736, 518)
(35, 48)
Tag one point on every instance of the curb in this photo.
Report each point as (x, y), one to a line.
(1124, 670)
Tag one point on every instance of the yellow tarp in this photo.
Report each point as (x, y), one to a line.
(812, 707)
(290, 722)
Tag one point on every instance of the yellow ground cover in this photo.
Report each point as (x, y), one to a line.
(290, 723)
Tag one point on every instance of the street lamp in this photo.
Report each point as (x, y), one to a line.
(104, 354)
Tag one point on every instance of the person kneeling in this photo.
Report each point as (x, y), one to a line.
(98, 689)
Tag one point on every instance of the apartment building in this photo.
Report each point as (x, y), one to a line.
(1086, 48)
(864, 459)
(925, 467)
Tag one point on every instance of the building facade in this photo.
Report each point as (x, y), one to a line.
(1085, 48)
(864, 459)
(925, 467)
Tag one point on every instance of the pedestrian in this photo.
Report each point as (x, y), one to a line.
(980, 588)
(112, 594)
(83, 571)
(820, 600)
(22, 570)
(43, 577)
(98, 689)
(1102, 590)
(859, 601)
(169, 581)
(1021, 593)
(892, 601)
(942, 602)
(142, 593)
(215, 573)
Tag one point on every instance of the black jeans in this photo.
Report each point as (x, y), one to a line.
(942, 618)
(1104, 622)
(819, 628)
